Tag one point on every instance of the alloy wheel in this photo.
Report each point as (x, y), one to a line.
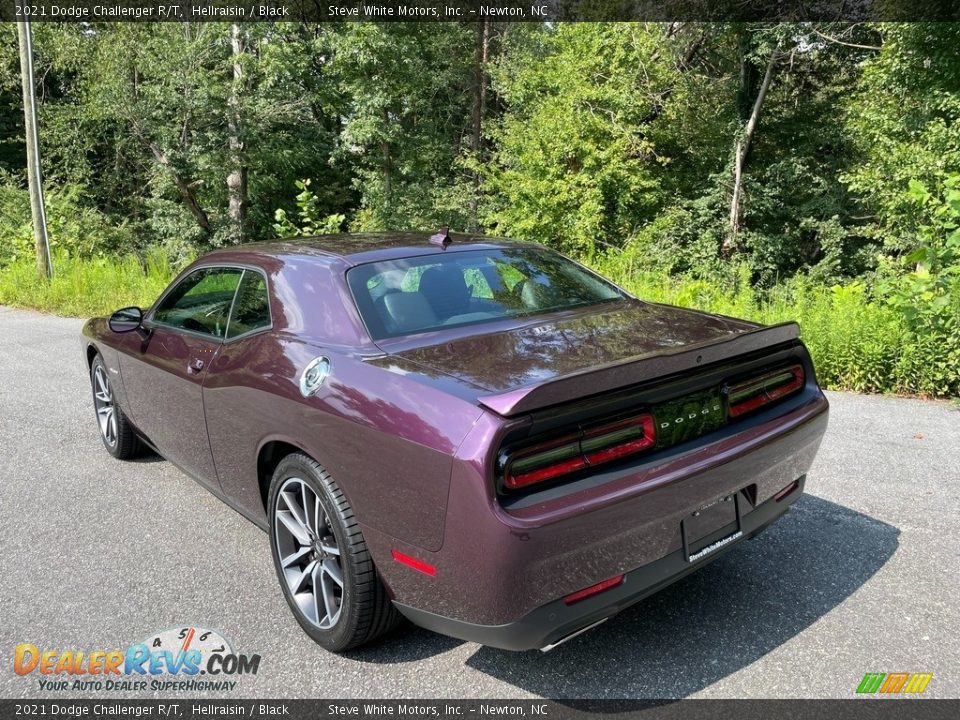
(103, 402)
(309, 553)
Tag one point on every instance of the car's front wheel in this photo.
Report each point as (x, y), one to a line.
(116, 432)
(325, 570)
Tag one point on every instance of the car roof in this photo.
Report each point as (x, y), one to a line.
(358, 248)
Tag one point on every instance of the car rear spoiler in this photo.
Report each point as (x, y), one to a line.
(632, 371)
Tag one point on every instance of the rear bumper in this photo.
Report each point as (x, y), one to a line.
(502, 572)
(556, 621)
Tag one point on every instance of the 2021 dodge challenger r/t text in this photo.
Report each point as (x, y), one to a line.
(480, 435)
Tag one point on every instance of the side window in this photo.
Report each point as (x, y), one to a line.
(251, 309)
(201, 302)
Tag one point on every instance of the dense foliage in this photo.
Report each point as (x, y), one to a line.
(772, 171)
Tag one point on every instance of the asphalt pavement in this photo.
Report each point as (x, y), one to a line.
(861, 576)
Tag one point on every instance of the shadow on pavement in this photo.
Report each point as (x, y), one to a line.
(407, 643)
(716, 621)
(148, 456)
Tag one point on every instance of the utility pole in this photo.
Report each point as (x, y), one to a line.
(34, 179)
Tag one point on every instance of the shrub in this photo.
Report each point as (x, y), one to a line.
(72, 226)
(309, 221)
(859, 340)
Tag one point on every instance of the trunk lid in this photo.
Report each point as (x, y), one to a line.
(589, 351)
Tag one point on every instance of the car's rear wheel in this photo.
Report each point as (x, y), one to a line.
(116, 432)
(325, 570)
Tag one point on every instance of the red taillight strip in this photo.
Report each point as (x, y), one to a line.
(571, 460)
(763, 390)
(544, 474)
(621, 432)
(775, 393)
(593, 590)
(645, 422)
(403, 559)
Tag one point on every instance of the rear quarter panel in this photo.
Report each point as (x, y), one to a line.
(387, 440)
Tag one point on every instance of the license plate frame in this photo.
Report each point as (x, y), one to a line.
(697, 548)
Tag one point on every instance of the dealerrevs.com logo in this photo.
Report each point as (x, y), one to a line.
(185, 659)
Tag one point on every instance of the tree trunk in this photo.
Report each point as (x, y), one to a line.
(186, 191)
(34, 178)
(387, 161)
(185, 128)
(684, 64)
(741, 150)
(237, 179)
(479, 112)
(163, 160)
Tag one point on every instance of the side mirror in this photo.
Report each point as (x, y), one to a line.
(126, 320)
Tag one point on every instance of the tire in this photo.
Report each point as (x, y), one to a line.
(116, 432)
(308, 551)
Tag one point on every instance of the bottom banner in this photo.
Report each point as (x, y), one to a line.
(555, 709)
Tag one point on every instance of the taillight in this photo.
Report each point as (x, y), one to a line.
(594, 446)
(752, 394)
(617, 440)
(544, 462)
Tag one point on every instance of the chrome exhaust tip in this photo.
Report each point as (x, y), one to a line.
(561, 641)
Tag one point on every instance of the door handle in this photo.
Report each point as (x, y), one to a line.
(194, 366)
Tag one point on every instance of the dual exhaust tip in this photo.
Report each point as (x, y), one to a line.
(570, 636)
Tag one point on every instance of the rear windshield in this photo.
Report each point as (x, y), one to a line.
(430, 292)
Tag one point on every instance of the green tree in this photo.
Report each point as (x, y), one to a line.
(12, 150)
(197, 131)
(576, 160)
(903, 119)
(408, 98)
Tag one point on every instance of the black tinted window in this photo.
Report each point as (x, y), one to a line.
(251, 309)
(420, 294)
(201, 301)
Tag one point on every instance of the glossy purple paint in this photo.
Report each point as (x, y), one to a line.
(410, 427)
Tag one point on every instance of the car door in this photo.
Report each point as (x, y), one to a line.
(238, 393)
(164, 375)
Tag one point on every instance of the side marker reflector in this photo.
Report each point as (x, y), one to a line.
(593, 590)
(419, 565)
(786, 491)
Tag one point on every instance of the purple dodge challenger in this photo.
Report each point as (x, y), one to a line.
(477, 434)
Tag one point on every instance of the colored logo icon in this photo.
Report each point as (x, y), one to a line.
(894, 683)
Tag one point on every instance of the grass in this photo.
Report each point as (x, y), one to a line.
(85, 288)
